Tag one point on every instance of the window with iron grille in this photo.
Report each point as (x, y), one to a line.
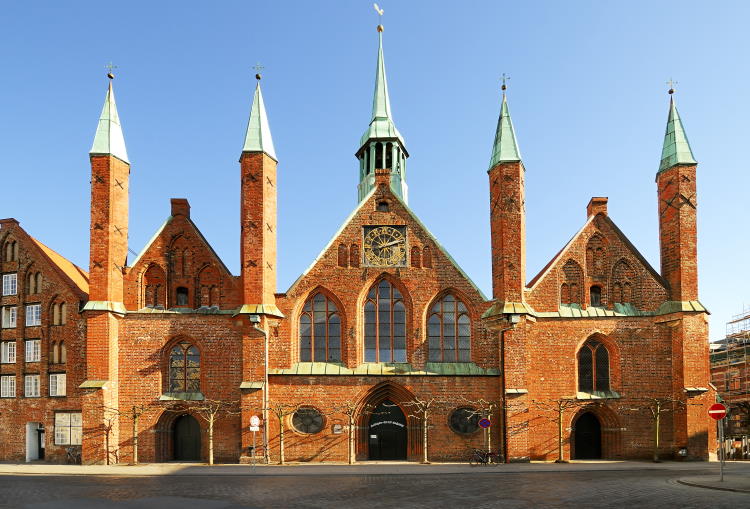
(184, 368)
(307, 420)
(385, 324)
(449, 331)
(464, 420)
(593, 367)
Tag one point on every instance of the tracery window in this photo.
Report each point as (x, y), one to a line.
(464, 420)
(449, 331)
(320, 330)
(593, 367)
(385, 324)
(184, 368)
(308, 420)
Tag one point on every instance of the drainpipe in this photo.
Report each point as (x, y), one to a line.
(504, 415)
(266, 456)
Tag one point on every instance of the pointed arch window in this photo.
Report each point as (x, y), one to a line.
(593, 367)
(184, 368)
(385, 324)
(320, 330)
(449, 331)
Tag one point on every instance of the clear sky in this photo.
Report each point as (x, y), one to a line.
(587, 95)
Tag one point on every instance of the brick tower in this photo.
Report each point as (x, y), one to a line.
(110, 172)
(258, 259)
(686, 318)
(508, 243)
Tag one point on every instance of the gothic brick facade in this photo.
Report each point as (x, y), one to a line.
(383, 348)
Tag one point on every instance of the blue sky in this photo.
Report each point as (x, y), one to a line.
(587, 96)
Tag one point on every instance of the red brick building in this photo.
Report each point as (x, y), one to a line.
(383, 345)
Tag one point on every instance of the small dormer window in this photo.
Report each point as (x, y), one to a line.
(383, 206)
(596, 296)
(182, 296)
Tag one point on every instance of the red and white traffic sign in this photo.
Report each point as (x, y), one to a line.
(717, 411)
(254, 420)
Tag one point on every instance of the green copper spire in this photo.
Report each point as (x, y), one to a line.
(258, 135)
(382, 146)
(108, 139)
(676, 148)
(505, 149)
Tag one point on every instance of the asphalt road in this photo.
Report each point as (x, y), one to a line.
(481, 489)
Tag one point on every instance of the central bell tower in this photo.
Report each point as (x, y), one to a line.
(382, 146)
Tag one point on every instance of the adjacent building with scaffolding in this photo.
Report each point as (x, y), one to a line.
(730, 373)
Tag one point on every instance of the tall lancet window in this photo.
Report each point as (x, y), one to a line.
(449, 331)
(385, 324)
(320, 330)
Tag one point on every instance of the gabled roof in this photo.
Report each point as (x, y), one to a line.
(346, 222)
(561, 254)
(161, 229)
(77, 276)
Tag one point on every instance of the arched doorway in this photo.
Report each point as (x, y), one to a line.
(587, 437)
(387, 432)
(187, 439)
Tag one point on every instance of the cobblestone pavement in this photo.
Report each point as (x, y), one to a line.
(481, 489)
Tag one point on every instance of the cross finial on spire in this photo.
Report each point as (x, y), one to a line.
(671, 84)
(380, 14)
(505, 78)
(258, 68)
(109, 68)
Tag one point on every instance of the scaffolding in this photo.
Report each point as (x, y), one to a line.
(730, 373)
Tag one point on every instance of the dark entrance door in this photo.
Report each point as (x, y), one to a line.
(187, 439)
(387, 433)
(588, 437)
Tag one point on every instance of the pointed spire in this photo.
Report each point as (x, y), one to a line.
(505, 149)
(258, 135)
(108, 139)
(381, 125)
(676, 149)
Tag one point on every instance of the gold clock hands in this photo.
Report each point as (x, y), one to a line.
(392, 243)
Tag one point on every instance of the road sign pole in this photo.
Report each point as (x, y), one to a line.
(252, 461)
(720, 423)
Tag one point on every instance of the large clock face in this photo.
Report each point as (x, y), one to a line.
(385, 246)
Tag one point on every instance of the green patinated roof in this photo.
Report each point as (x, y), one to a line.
(505, 148)
(386, 369)
(108, 139)
(258, 135)
(676, 148)
(381, 125)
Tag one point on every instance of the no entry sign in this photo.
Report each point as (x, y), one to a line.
(484, 423)
(717, 411)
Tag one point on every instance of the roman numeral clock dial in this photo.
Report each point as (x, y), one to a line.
(385, 246)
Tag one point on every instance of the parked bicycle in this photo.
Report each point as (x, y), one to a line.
(482, 457)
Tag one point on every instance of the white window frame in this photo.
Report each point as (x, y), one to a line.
(31, 386)
(10, 313)
(68, 428)
(57, 384)
(33, 351)
(33, 315)
(10, 284)
(7, 352)
(8, 386)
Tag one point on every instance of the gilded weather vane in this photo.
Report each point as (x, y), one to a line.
(380, 14)
(671, 84)
(109, 68)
